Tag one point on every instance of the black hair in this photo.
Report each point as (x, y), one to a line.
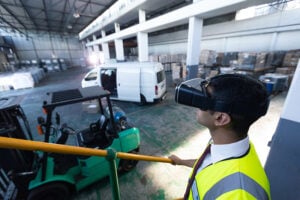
(242, 89)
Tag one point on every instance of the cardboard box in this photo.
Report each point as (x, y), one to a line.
(261, 59)
(285, 70)
(208, 57)
(228, 58)
(246, 60)
(291, 58)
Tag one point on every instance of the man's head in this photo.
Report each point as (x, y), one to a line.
(243, 98)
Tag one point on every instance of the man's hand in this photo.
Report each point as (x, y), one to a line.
(178, 161)
(175, 160)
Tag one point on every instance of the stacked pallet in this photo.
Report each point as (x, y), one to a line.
(291, 58)
(246, 60)
(178, 73)
(208, 57)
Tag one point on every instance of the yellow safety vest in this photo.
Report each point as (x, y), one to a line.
(235, 179)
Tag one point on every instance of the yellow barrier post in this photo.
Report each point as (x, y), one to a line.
(12, 143)
(111, 155)
(113, 176)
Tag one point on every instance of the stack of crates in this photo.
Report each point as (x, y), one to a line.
(275, 82)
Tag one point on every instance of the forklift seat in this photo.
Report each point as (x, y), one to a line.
(94, 136)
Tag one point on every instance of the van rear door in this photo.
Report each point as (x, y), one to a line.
(128, 83)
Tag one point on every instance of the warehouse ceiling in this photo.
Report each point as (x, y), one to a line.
(65, 17)
(58, 16)
(69, 17)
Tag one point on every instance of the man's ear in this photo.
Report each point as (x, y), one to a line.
(221, 119)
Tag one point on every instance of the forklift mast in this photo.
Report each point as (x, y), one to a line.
(16, 166)
(14, 124)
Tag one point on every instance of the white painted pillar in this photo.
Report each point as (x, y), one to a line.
(224, 41)
(142, 40)
(283, 163)
(273, 41)
(105, 47)
(119, 45)
(98, 56)
(142, 16)
(95, 47)
(89, 48)
(193, 46)
(85, 52)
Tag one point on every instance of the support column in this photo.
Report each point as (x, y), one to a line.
(273, 41)
(193, 46)
(96, 53)
(142, 16)
(142, 40)
(119, 45)
(89, 48)
(105, 47)
(224, 41)
(283, 163)
(143, 51)
(85, 52)
(95, 47)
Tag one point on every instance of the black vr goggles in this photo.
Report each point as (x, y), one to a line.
(194, 93)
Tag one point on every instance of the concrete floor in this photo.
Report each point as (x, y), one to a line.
(166, 128)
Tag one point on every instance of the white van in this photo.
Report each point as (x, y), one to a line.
(130, 81)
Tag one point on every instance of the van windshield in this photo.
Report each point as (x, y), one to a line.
(160, 76)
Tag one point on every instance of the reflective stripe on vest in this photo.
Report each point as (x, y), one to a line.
(195, 191)
(236, 181)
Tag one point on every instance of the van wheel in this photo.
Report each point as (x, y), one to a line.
(50, 191)
(143, 100)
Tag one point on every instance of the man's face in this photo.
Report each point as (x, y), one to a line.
(205, 118)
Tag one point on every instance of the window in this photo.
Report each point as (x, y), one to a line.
(91, 77)
(160, 76)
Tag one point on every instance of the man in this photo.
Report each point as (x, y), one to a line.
(229, 169)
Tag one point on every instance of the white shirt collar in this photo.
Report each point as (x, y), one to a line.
(224, 151)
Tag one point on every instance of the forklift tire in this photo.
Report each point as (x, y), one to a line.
(50, 191)
(128, 165)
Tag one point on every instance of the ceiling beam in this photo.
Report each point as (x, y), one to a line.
(12, 14)
(201, 9)
(63, 15)
(83, 10)
(46, 14)
(28, 23)
(96, 3)
(11, 25)
(29, 14)
(69, 17)
(42, 9)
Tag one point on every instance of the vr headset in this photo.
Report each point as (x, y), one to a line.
(194, 93)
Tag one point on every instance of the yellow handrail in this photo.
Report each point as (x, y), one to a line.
(13, 143)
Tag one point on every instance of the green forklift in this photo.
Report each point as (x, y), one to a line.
(42, 175)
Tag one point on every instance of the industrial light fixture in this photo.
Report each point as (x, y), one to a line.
(76, 14)
(69, 26)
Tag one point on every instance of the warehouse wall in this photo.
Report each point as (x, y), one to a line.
(279, 31)
(47, 47)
